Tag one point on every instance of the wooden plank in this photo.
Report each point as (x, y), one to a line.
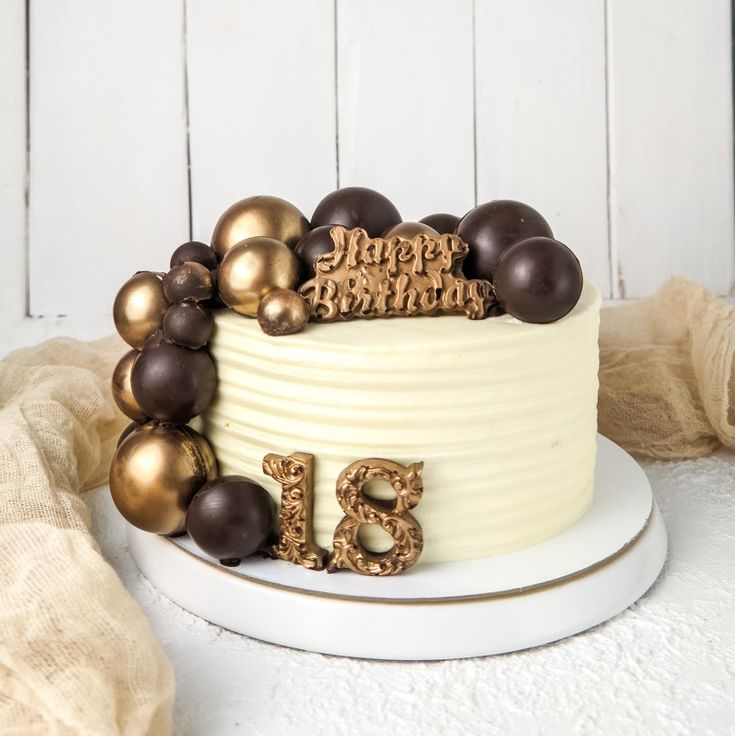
(541, 121)
(12, 164)
(406, 102)
(261, 103)
(108, 173)
(671, 143)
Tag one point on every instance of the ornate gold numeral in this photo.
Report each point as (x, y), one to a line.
(296, 539)
(392, 516)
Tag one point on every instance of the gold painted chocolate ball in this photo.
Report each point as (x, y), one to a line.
(155, 473)
(251, 269)
(409, 230)
(266, 216)
(121, 390)
(282, 312)
(139, 308)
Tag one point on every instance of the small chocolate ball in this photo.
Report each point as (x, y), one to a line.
(173, 384)
(251, 269)
(441, 222)
(188, 282)
(357, 207)
(282, 312)
(196, 252)
(122, 391)
(315, 243)
(491, 228)
(409, 230)
(188, 325)
(538, 280)
(230, 518)
(139, 308)
(155, 473)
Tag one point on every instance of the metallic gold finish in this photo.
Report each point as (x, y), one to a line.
(393, 517)
(409, 230)
(282, 312)
(367, 277)
(296, 536)
(139, 308)
(121, 389)
(251, 269)
(270, 217)
(155, 473)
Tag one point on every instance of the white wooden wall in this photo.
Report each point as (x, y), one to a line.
(127, 126)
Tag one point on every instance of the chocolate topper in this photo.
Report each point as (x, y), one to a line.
(366, 277)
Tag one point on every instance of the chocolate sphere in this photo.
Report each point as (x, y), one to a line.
(441, 222)
(196, 252)
(357, 207)
(538, 280)
(282, 312)
(155, 473)
(139, 308)
(171, 383)
(491, 228)
(409, 230)
(188, 325)
(122, 392)
(253, 268)
(266, 216)
(188, 282)
(230, 518)
(314, 244)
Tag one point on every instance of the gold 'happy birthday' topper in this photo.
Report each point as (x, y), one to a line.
(367, 277)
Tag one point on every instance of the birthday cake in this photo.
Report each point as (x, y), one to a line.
(369, 393)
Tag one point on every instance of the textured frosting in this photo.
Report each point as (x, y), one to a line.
(503, 414)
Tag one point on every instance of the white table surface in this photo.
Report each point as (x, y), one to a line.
(664, 666)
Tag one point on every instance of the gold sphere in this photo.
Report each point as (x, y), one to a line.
(139, 308)
(282, 312)
(155, 473)
(251, 269)
(409, 230)
(266, 216)
(121, 389)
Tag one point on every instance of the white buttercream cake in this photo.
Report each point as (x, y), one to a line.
(502, 413)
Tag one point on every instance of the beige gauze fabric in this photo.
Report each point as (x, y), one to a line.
(667, 374)
(77, 655)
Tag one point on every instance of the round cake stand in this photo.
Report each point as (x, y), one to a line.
(576, 580)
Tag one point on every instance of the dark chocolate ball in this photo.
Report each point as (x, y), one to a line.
(230, 518)
(491, 228)
(357, 207)
(441, 222)
(538, 280)
(315, 243)
(173, 384)
(194, 251)
(188, 325)
(188, 282)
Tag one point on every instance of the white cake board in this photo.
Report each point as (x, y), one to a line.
(578, 579)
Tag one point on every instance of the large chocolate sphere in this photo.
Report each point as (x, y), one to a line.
(172, 383)
(441, 222)
(196, 252)
(253, 268)
(315, 243)
(122, 391)
(491, 228)
(155, 473)
(139, 308)
(409, 230)
(357, 207)
(266, 216)
(538, 280)
(230, 518)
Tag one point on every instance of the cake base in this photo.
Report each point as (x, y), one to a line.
(578, 579)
